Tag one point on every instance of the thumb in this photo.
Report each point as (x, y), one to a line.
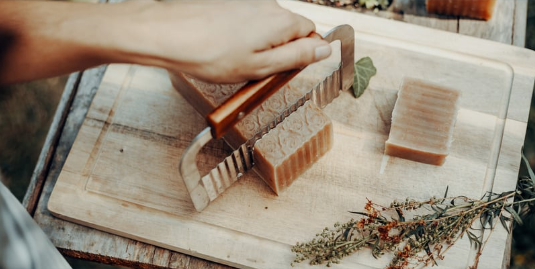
(295, 54)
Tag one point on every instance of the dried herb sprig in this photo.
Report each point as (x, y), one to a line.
(367, 4)
(418, 233)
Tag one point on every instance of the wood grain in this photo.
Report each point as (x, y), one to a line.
(508, 24)
(436, 22)
(498, 28)
(519, 26)
(87, 243)
(44, 160)
(121, 174)
(380, 30)
(81, 242)
(41, 169)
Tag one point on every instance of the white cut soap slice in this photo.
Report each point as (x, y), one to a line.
(298, 150)
(423, 121)
(293, 146)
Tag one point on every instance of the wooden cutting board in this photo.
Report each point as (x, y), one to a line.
(121, 175)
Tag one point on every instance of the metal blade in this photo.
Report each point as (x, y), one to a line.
(190, 172)
(346, 34)
(205, 189)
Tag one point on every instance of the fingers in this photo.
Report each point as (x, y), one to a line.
(280, 26)
(301, 27)
(293, 25)
(295, 54)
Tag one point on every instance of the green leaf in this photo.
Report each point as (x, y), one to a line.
(384, 4)
(504, 220)
(376, 247)
(364, 71)
(528, 166)
(515, 215)
(474, 241)
(346, 234)
(401, 218)
(489, 219)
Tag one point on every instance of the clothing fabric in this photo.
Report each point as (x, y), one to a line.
(22, 242)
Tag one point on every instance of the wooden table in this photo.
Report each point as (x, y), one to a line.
(507, 26)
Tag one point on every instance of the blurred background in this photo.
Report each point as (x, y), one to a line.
(26, 111)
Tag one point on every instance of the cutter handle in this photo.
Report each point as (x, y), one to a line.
(246, 99)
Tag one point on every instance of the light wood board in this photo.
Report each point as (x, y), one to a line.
(121, 174)
(507, 24)
(499, 27)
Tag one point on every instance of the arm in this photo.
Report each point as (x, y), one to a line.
(219, 41)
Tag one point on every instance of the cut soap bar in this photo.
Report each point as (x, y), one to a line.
(206, 96)
(293, 146)
(479, 9)
(422, 122)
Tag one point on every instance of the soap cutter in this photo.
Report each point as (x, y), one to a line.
(205, 189)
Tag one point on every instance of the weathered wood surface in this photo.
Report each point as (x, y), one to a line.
(78, 241)
(35, 186)
(121, 175)
(507, 25)
(86, 243)
(369, 27)
(520, 24)
(500, 27)
(41, 169)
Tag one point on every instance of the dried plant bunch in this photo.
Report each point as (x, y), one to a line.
(418, 233)
(367, 4)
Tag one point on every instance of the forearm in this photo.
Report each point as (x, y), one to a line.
(218, 41)
(44, 39)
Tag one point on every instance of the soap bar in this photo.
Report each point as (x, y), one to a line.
(423, 121)
(206, 96)
(478, 9)
(293, 146)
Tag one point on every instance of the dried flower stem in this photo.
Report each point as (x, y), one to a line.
(424, 238)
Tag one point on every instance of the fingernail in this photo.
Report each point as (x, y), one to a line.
(322, 52)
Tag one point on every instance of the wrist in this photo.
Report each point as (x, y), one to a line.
(156, 33)
(129, 37)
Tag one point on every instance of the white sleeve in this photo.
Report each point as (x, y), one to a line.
(22, 242)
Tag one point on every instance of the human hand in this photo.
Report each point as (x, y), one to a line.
(219, 41)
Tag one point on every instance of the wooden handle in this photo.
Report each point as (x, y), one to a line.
(246, 99)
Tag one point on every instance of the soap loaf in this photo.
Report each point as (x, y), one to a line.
(207, 96)
(293, 146)
(423, 121)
